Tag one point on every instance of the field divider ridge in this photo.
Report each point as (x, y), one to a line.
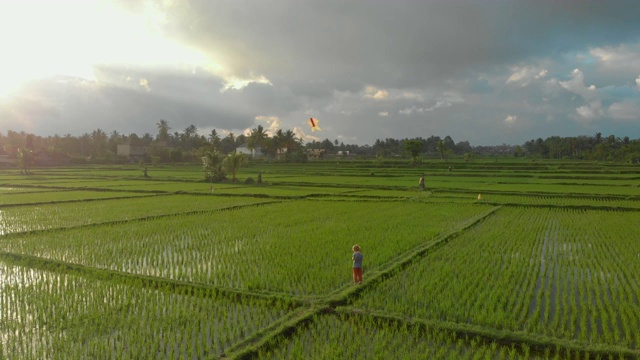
(338, 302)
(145, 281)
(86, 188)
(539, 344)
(542, 193)
(554, 206)
(78, 200)
(269, 335)
(344, 294)
(248, 348)
(146, 218)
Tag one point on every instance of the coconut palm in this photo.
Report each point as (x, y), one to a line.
(163, 130)
(277, 141)
(257, 138)
(233, 162)
(25, 159)
(442, 149)
(214, 139)
(290, 141)
(212, 165)
(99, 140)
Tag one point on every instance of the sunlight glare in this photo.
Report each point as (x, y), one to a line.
(46, 38)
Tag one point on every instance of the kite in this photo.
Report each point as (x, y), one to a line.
(314, 124)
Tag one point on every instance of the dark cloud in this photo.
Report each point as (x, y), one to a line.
(400, 43)
(71, 105)
(482, 71)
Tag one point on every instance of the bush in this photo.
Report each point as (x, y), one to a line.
(216, 179)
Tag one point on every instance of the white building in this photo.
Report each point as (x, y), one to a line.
(244, 149)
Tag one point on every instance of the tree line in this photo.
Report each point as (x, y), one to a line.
(189, 145)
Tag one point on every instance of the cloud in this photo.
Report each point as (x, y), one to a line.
(510, 121)
(145, 84)
(368, 69)
(589, 112)
(237, 83)
(576, 85)
(626, 110)
(447, 99)
(273, 123)
(524, 75)
(621, 58)
(479, 85)
(377, 94)
(410, 95)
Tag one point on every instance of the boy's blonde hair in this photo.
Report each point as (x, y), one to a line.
(356, 247)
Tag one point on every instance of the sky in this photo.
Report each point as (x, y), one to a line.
(488, 72)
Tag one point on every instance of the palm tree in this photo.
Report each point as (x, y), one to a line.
(99, 139)
(233, 162)
(163, 130)
(189, 137)
(257, 138)
(277, 141)
(190, 131)
(212, 165)
(214, 139)
(25, 158)
(290, 141)
(113, 141)
(442, 149)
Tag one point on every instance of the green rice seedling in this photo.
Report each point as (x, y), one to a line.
(44, 315)
(475, 270)
(49, 216)
(338, 337)
(59, 196)
(266, 247)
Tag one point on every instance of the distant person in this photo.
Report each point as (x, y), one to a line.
(260, 178)
(421, 182)
(357, 264)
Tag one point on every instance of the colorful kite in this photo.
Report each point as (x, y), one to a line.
(314, 124)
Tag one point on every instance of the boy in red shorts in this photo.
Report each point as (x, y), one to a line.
(357, 264)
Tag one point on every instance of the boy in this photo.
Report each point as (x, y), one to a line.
(357, 264)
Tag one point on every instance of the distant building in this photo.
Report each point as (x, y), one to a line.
(281, 153)
(6, 162)
(316, 153)
(244, 149)
(132, 149)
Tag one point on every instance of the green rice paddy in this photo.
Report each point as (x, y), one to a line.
(494, 260)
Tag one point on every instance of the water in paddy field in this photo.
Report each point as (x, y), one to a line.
(7, 226)
(557, 276)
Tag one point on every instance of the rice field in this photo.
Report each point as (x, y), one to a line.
(48, 314)
(508, 260)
